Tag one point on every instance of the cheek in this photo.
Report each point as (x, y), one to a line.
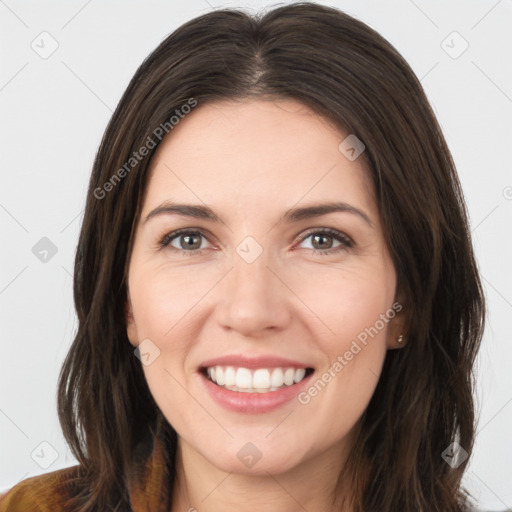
(165, 302)
(338, 302)
(161, 297)
(346, 300)
(353, 309)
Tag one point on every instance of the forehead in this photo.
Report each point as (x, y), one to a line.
(248, 153)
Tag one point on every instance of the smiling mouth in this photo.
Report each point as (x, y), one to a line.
(261, 380)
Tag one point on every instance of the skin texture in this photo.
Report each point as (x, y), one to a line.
(250, 161)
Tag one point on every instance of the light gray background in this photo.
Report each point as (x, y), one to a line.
(54, 111)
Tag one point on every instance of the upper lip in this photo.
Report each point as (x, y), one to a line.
(241, 361)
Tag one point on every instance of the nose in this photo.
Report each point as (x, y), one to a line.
(254, 298)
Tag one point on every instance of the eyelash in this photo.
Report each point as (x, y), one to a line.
(346, 241)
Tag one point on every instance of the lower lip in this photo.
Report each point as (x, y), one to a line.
(253, 403)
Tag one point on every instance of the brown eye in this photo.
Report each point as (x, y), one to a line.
(186, 241)
(323, 241)
(190, 241)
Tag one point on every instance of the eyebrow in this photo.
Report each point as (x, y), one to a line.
(198, 211)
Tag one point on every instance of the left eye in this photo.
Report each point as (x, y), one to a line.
(318, 238)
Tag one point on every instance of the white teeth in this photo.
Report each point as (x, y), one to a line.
(288, 376)
(243, 378)
(230, 376)
(277, 379)
(261, 380)
(299, 375)
(219, 375)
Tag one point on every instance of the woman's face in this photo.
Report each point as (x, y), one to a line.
(262, 292)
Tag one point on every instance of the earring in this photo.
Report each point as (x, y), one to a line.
(400, 338)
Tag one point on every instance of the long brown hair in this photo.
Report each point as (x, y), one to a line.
(348, 73)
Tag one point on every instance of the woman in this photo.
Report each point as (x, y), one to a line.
(278, 301)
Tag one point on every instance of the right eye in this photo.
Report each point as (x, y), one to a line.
(189, 241)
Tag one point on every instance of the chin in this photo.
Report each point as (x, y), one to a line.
(256, 457)
(275, 465)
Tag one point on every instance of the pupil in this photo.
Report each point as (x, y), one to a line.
(316, 237)
(189, 241)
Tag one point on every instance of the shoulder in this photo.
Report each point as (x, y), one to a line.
(42, 493)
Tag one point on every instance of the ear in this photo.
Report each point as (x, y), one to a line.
(131, 329)
(397, 335)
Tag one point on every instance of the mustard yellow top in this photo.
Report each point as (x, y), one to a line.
(148, 489)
